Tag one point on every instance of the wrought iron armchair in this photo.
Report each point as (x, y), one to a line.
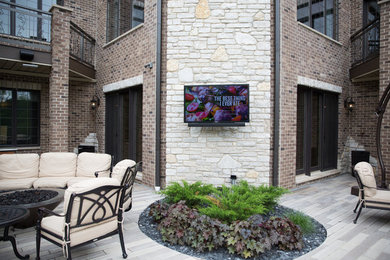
(369, 195)
(93, 210)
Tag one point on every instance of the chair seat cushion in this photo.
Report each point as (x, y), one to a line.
(74, 180)
(56, 225)
(17, 184)
(382, 196)
(51, 182)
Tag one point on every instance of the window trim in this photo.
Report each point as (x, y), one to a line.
(14, 120)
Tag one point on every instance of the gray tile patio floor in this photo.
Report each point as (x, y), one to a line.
(329, 201)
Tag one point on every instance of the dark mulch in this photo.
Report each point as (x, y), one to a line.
(26, 197)
(311, 241)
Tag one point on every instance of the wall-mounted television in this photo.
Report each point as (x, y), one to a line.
(216, 105)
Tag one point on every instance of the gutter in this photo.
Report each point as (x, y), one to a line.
(275, 175)
(158, 98)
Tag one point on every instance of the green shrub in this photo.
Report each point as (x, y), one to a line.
(241, 201)
(301, 220)
(193, 194)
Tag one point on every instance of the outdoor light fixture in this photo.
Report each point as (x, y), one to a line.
(95, 102)
(30, 65)
(349, 104)
(233, 179)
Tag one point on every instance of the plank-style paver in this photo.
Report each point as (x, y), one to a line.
(328, 201)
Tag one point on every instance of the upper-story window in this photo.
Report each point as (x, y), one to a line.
(19, 117)
(123, 15)
(23, 18)
(320, 15)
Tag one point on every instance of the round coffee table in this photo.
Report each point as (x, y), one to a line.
(10, 215)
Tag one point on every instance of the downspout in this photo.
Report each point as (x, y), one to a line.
(158, 97)
(275, 175)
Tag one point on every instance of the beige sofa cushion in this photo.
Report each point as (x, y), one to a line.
(366, 174)
(17, 184)
(120, 168)
(19, 166)
(84, 186)
(89, 163)
(58, 165)
(74, 180)
(51, 182)
(56, 225)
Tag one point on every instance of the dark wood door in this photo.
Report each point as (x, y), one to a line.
(330, 131)
(317, 122)
(124, 124)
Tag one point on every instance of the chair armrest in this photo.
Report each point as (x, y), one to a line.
(97, 172)
(42, 211)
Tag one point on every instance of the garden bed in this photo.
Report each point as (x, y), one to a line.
(197, 220)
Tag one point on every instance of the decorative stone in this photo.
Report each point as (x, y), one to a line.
(252, 174)
(202, 9)
(186, 75)
(264, 86)
(172, 65)
(244, 38)
(171, 158)
(220, 54)
(227, 162)
(259, 16)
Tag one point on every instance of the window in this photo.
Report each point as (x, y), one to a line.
(320, 15)
(123, 15)
(19, 117)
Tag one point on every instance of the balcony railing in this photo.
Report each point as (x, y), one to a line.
(365, 43)
(25, 22)
(82, 45)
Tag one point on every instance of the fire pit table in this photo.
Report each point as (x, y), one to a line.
(8, 216)
(32, 199)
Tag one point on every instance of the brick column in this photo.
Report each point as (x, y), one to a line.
(59, 80)
(384, 81)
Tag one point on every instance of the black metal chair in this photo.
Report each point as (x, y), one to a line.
(128, 181)
(369, 195)
(93, 210)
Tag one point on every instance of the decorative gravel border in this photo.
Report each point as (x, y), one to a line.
(311, 241)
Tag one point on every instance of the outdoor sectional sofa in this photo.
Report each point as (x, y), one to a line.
(56, 169)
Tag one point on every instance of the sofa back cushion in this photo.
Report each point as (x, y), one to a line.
(89, 163)
(19, 166)
(59, 164)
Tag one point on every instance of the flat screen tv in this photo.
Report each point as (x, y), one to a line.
(216, 105)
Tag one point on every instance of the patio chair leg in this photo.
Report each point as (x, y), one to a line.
(124, 254)
(360, 210)
(357, 205)
(38, 244)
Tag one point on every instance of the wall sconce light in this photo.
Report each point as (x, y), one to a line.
(349, 104)
(95, 102)
(233, 179)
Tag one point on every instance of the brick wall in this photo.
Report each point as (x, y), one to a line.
(384, 80)
(125, 58)
(312, 55)
(84, 14)
(214, 42)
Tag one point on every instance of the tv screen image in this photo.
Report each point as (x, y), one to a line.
(216, 103)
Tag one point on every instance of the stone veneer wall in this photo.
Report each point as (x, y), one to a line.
(216, 42)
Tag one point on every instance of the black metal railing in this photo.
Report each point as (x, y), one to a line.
(365, 43)
(21, 21)
(82, 45)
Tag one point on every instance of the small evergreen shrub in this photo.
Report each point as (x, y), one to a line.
(193, 194)
(302, 220)
(241, 201)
